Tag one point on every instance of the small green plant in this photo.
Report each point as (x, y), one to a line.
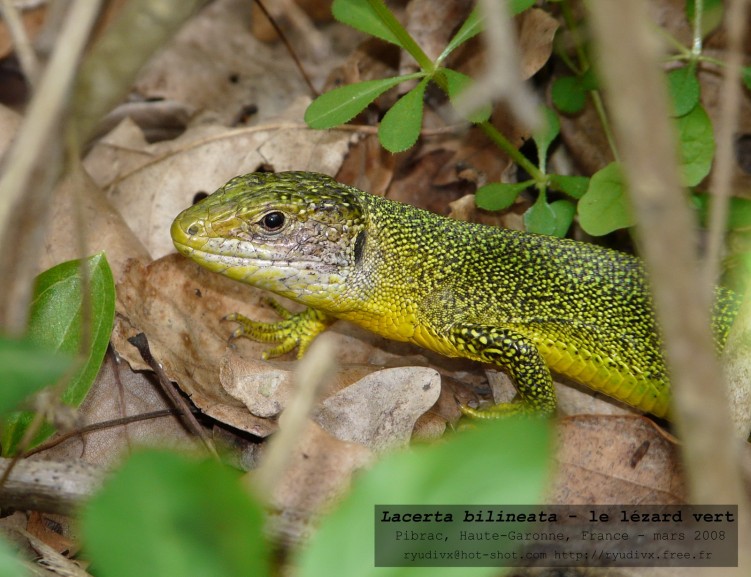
(401, 125)
(57, 345)
(599, 201)
(604, 207)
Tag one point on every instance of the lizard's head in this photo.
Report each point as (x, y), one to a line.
(298, 234)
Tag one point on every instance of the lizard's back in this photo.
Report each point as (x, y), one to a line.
(587, 308)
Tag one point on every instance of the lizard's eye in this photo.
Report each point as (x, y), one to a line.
(272, 221)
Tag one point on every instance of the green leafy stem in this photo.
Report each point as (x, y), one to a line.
(401, 125)
(600, 201)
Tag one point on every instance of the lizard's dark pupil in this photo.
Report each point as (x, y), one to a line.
(273, 220)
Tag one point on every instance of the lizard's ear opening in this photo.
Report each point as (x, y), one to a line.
(359, 246)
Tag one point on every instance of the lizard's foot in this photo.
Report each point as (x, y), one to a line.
(511, 349)
(503, 410)
(294, 330)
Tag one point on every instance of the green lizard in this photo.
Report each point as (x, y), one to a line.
(523, 302)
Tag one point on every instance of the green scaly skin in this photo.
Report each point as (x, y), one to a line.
(523, 302)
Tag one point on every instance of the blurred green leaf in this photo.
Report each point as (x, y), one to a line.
(56, 324)
(553, 219)
(568, 94)
(564, 211)
(342, 104)
(604, 207)
(589, 80)
(697, 145)
(539, 218)
(25, 368)
(546, 135)
(746, 75)
(456, 83)
(165, 515)
(573, 186)
(10, 563)
(683, 86)
(472, 468)
(360, 15)
(739, 212)
(500, 195)
(400, 126)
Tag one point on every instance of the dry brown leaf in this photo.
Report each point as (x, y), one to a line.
(151, 183)
(412, 183)
(465, 208)
(474, 153)
(321, 468)
(296, 20)
(266, 388)
(368, 166)
(575, 399)
(81, 218)
(157, 119)
(43, 527)
(215, 66)
(373, 59)
(119, 393)
(178, 305)
(537, 29)
(380, 410)
(317, 10)
(118, 405)
(616, 460)
(432, 23)
(49, 561)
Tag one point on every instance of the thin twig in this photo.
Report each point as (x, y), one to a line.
(730, 99)
(104, 425)
(21, 43)
(313, 372)
(274, 127)
(142, 344)
(289, 48)
(638, 100)
(49, 486)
